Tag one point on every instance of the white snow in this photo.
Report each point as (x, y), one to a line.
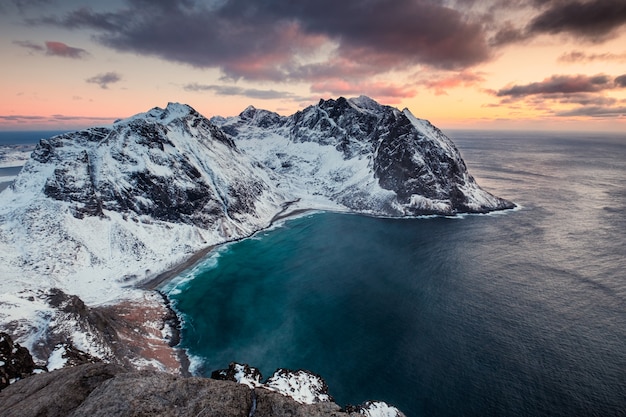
(246, 378)
(302, 386)
(379, 409)
(56, 359)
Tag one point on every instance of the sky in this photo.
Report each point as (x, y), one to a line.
(462, 64)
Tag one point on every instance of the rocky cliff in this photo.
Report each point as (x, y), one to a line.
(109, 390)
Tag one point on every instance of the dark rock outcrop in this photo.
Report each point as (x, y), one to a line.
(15, 361)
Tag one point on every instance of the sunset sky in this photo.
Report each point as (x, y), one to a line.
(484, 64)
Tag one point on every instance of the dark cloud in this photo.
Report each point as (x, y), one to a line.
(30, 45)
(594, 111)
(560, 84)
(54, 48)
(508, 33)
(103, 80)
(587, 96)
(274, 39)
(579, 56)
(621, 81)
(587, 20)
(225, 90)
(23, 5)
(593, 20)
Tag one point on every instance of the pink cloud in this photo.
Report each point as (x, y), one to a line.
(464, 79)
(64, 50)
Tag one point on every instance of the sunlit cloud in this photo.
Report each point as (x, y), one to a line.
(441, 85)
(381, 91)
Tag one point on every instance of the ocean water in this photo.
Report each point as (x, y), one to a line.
(519, 313)
(26, 137)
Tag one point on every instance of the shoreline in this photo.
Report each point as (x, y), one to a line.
(173, 319)
(152, 284)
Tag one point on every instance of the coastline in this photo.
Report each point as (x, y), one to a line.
(172, 318)
(153, 283)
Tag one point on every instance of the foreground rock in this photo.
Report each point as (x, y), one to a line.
(108, 390)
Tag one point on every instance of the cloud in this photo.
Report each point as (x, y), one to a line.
(583, 57)
(30, 45)
(621, 81)
(464, 78)
(103, 80)
(23, 119)
(382, 91)
(561, 84)
(588, 20)
(593, 20)
(54, 48)
(225, 90)
(580, 95)
(594, 111)
(283, 40)
(23, 5)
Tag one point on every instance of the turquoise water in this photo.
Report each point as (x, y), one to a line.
(520, 313)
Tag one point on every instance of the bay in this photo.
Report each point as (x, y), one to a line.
(519, 313)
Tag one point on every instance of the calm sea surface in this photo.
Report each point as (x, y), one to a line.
(26, 137)
(520, 313)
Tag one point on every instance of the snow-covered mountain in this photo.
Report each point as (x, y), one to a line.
(96, 213)
(362, 156)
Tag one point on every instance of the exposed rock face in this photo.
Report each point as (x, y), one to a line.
(15, 361)
(101, 390)
(390, 163)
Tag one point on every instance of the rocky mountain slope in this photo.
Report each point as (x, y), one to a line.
(362, 156)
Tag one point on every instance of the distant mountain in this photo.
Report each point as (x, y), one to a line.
(96, 213)
(363, 156)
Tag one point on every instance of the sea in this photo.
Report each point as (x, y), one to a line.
(515, 313)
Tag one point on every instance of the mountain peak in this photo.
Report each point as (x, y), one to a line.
(171, 112)
(364, 102)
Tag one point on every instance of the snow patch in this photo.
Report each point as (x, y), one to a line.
(56, 359)
(379, 409)
(301, 385)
